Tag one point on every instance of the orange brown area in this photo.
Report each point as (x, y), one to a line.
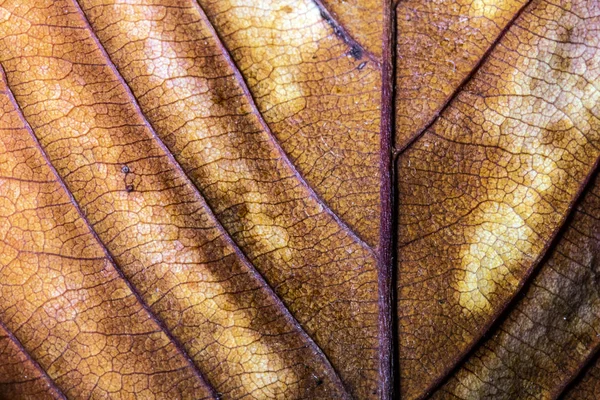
(164, 237)
(193, 98)
(486, 188)
(362, 19)
(320, 97)
(439, 43)
(63, 299)
(20, 377)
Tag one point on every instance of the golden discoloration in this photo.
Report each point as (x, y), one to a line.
(488, 9)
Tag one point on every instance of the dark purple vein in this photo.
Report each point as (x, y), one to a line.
(387, 221)
(341, 32)
(284, 157)
(464, 82)
(37, 366)
(229, 240)
(179, 347)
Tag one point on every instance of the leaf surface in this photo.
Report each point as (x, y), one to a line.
(440, 43)
(553, 330)
(232, 199)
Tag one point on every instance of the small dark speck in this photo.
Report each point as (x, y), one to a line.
(325, 16)
(319, 381)
(129, 188)
(441, 301)
(125, 169)
(356, 52)
(362, 65)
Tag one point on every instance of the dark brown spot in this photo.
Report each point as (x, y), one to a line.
(356, 52)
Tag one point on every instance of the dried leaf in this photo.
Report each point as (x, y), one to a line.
(196, 199)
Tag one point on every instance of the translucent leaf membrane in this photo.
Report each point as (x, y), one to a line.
(483, 192)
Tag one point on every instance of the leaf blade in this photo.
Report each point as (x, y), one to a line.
(98, 126)
(440, 46)
(21, 376)
(261, 207)
(319, 99)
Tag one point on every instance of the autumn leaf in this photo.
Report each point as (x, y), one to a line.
(221, 199)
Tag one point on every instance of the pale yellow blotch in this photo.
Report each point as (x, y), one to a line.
(288, 47)
(502, 235)
(503, 229)
(487, 8)
(483, 260)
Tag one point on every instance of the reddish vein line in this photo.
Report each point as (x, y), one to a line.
(464, 82)
(26, 353)
(342, 33)
(387, 221)
(238, 251)
(267, 129)
(180, 349)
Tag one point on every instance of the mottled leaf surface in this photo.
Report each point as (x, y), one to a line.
(553, 330)
(219, 199)
(484, 190)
